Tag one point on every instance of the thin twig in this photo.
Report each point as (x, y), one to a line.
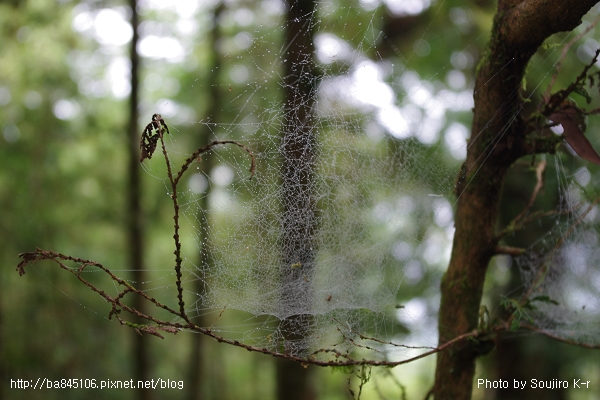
(363, 337)
(148, 143)
(532, 218)
(519, 222)
(40, 255)
(539, 176)
(555, 101)
(564, 52)
(511, 251)
(218, 316)
(560, 339)
(197, 153)
(177, 252)
(117, 306)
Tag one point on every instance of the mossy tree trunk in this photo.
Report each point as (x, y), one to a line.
(498, 138)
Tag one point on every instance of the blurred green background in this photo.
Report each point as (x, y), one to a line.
(64, 87)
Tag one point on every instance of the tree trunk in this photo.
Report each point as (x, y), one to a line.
(498, 138)
(134, 210)
(299, 218)
(197, 374)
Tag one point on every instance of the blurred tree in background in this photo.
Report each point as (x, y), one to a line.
(64, 87)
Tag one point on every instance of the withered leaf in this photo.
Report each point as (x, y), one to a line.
(573, 126)
(153, 131)
(580, 90)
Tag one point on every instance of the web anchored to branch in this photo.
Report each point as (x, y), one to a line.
(383, 224)
(342, 321)
(349, 293)
(333, 357)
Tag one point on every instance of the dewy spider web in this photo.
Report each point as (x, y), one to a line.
(381, 184)
(381, 207)
(367, 204)
(562, 270)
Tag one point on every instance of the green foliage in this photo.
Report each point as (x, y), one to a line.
(520, 311)
(580, 90)
(363, 374)
(62, 182)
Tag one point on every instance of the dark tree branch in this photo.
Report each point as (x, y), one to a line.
(498, 138)
(527, 24)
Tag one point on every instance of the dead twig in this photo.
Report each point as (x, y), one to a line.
(154, 132)
(539, 176)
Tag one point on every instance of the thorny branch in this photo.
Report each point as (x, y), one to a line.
(564, 52)
(154, 132)
(116, 302)
(555, 101)
(118, 305)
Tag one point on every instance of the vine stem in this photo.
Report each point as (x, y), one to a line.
(154, 132)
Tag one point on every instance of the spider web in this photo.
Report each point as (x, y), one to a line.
(389, 143)
(562, 267)
(380, 185)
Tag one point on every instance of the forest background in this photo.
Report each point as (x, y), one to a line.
(64, 87)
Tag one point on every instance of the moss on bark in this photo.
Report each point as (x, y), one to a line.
(498, 138)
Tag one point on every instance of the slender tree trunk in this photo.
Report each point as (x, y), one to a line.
(498, 138)
(3, 362)
(134, 210)
(197, 355)
(299, 216)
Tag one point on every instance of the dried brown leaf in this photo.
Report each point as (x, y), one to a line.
(571, 121)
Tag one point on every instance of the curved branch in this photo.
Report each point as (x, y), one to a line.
(560, 339)
(527, 24)
(498, 138)
(154, 132)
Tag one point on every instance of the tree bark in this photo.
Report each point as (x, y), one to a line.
(197, 374)
(498, 138)
(134, 211)
(299, 216)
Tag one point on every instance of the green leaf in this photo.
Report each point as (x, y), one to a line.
(580, 90)
(544, 299)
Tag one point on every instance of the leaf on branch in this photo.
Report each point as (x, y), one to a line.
(572, 121)
(580, 90)
(518, 311)
(545, 299)
(27, 258)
